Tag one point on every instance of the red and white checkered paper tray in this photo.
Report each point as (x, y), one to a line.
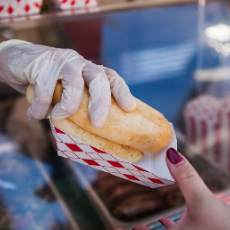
(150, 171)
(73, 4)
(14, 8)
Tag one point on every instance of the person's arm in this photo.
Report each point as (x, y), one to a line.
(23, 63)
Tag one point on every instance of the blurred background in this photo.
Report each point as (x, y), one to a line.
(173, 54)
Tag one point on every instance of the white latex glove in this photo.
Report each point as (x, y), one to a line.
(23, 63)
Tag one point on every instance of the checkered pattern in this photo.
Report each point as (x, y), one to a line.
(13, 8)
(78, 151)
(73, 4)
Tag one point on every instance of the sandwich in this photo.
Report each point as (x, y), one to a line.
(126, 135)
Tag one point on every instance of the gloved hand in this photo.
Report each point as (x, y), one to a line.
(23, 63)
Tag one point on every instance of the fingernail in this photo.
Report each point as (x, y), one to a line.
(174, 156)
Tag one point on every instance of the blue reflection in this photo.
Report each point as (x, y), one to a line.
(19, 181)
(154, 50)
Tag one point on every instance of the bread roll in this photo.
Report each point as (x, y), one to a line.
(144, 129)
(126, 135)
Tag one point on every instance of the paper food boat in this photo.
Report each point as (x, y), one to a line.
(150, 171)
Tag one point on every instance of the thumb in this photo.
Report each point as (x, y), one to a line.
(186, 177)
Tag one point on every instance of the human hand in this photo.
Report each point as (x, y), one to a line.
(23, 63)
(203, 210)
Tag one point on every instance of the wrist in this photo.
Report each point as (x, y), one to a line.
(4, 45)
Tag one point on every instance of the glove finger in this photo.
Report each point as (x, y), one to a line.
(41, 104)
(120, 90)
(100, 94)
(71, 97)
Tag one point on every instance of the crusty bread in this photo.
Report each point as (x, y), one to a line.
(124, 152)
(143, 129)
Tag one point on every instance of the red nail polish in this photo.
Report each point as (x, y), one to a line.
(173, 156)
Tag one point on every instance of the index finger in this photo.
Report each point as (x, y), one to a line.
(120, 91)
(100, 94)
(187, 179)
